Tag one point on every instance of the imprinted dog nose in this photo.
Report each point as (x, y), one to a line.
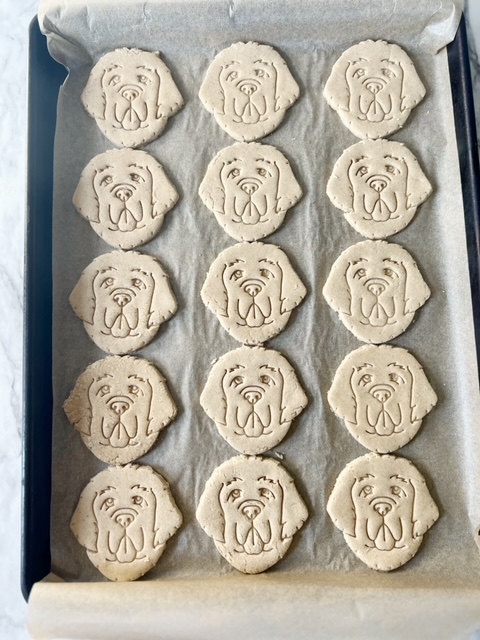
(376, 288)
(374, 86)
(253, 289)
(252, 396)
(124, 519)
(119, 407)
(251, 511)
(382, 395)
(122, 299)
(378, 184)
(248, 88)
(249, 188)
(130, 94)
(123, 194)
(382, 508)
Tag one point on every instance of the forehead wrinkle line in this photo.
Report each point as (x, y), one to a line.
(367, 475)
(359, 260)
(104, 375)
(358, 60)
(265, 479)
(388, 155)
(108, 166)
(365, 364)
(107, 269)
(229, 64)
(397, 477)
(397, 364)
(236, 368)
(235, 479)
(135, 376)
(137, 166)
(390, 260)
(139, 270)
(234, 262)
(100, 493)
(267, 366)
(139, 487)
(267, 261)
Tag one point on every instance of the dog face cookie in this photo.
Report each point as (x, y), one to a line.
(253, 394)
(378, 185)
(252, 289)
(122, 297)
(375, 287)
(373, 87)
(124, 194)
(124, 518)
(131, 95)
(248, 88)
(383, 507)
(249, 187)
(119, 405)
(252, 509)
(382, 394)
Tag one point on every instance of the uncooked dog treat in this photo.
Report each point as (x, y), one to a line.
(248, 88)
(131, 94)
(119, 405)
(124, 194)
(252, 509)
(124, 517)
(373, 87)
(375, 287)
(122, 298)
(383, 507)
(253, 394)
(382, 394)
(249, 187)
(252, 289)
(378, 184)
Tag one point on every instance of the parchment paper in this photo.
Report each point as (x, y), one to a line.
(319, 573)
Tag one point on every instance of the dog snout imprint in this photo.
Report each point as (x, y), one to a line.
(252, 509)
(248, 88)
(124, 194)
(373, 87)
(378, 184)
(131, 94)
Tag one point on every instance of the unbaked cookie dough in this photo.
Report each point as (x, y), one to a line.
(373, 87)
(249, 187)
(253, 394)
(378, 184)
(131, 94)
(375, 287)
(124, 517)
(252, 509)
(383, 507)
(248, 88)
(119, 405)
(124, 194)
(382, 394)
(252, 289)
(122, 298)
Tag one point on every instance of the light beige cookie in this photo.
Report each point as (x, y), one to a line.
(378, 184)
(122, 298)
(249, 187)
(124, 517)
(373, 87)
(383, 507)
(124, 194)
(248, 88)
(375, 287)
(131, 94)
(119, 405)
(252, 509)
(382, 394)
(252, 289)
(253, 394)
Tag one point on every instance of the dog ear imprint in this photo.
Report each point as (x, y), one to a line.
(249, 187)
(375, 287)
(253, 394)
(378, 185)
(248, 88)
(252, 509)
(131, 94)
(373, 87)
(124, 517)
(122, 297)
(383, 507)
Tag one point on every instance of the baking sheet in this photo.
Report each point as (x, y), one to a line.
(310, 36)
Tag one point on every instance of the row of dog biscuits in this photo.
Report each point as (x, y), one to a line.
(380, 502)
(125, 514)
(252, 393)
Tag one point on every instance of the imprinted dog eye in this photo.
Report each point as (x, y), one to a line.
(366, 491)
(260, 73)
(265, 273)
(360, 273)
(394, 377)
(388, 72)
(144, 80)
(263, 172)
(359, 73)
(234, 495)
(266, 380)
(234, 173)
(365, 379)
(139, 501)
(115, 80)
(390, 273)
(266, 493)
(236, 275)
(138, 284)
(103, 391)
(398, 491)
(233, 75)
(362, 171)
(106, 180)
(108, 503)
(390, 169)
(135, 177)
(237, 381)
(133, 389)
(108, 282)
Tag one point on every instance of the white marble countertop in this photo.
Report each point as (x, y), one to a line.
(15, 17)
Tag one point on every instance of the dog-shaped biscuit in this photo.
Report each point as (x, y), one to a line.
(252, 289)
(378, 185)
(119, 405)
(249, 187)
(373, 87)
(383, 507)
(375, 287)
(122, 297)
(382, 394)
(248, 88)
(252, 509)
(124, 194)
(253, 394)
(124, 517)
(131, 94)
